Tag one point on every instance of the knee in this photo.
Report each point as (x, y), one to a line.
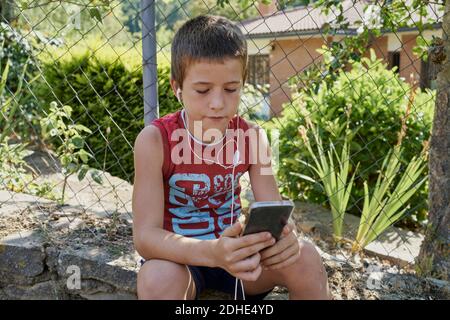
(309, 262)
(307, 277)
(309, 257)
(158, 278)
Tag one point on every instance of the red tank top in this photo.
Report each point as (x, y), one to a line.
(197, 195)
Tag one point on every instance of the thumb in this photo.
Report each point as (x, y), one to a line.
(233, 230)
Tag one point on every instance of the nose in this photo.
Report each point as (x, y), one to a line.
(217, 102)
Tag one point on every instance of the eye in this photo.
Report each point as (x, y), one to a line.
(230, 90)
(202, 92)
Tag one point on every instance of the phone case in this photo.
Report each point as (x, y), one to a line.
(269, 216)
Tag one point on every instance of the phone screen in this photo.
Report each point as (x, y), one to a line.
(269, 216)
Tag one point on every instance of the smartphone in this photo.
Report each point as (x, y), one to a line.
(269, 216)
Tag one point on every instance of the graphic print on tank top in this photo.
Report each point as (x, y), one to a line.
(198, 197)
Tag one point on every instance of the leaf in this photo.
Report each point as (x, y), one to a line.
(23, 5)
(82, 173)
(95, 174)
(95, 13)
(307, 178)
(65, 160)
(84, 155)
(77, 141)
(80, 127)
(67, 110)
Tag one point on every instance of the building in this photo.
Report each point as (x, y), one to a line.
(282, 44)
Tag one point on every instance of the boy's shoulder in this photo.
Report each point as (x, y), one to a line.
(148, 142)
(152, 132)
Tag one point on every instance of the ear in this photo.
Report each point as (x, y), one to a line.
(174, 85)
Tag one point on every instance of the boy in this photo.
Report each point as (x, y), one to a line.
(183, 209)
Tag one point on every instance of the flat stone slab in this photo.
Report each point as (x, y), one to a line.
(397, 245)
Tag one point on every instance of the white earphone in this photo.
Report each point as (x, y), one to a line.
(236, 162)
(179, 95)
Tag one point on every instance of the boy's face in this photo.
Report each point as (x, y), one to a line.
(211, 93)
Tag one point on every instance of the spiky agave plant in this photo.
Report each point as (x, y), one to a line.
(383, 208)
(334, 178)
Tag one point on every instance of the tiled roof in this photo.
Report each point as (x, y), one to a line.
(310, 20)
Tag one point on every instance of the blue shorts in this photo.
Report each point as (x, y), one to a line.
(217, 279)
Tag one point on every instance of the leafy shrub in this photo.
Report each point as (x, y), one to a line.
(377, 98)
(105, 93)
(70, 153)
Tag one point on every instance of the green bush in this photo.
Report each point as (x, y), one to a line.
(104, 92)
(377, 100)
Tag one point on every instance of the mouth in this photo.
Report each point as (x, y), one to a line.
(216, 118)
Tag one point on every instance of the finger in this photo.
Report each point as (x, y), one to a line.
(278, 247)
(280, 257)
(246, 265)
(233, 230)
(288, 228)
(249, 251)
(284, 263)
(252, 239)
(250, 275)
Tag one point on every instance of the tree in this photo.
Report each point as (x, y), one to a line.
(434, 258)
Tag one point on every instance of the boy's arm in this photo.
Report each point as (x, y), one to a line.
(264, 185)
(150, 239)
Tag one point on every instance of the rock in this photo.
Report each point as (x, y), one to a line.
(109, 296)
(307, 226)
(48, 290)
(439, 287)
(96, 264)
(22, 254)
(92, 286)
(71, 224)
(396, 245)
(11, 203)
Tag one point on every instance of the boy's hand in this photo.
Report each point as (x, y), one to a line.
(284, 252)
(240, 255)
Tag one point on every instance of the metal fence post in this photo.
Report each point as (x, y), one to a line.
(150, 74)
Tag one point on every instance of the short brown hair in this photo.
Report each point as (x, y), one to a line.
(210, 38)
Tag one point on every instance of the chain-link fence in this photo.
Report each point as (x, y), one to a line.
(346, 91)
